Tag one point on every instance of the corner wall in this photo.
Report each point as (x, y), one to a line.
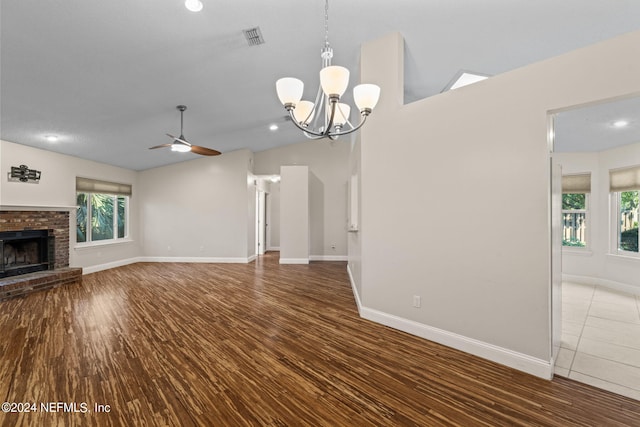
(199, 210)
(438, 180)
(328, 176)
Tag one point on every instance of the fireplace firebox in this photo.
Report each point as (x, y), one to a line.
(26, 251)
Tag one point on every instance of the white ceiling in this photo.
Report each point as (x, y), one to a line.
(106, 75)
(593, 127)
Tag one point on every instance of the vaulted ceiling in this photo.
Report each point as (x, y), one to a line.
(105, 76)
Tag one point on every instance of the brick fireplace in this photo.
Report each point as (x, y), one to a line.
(57, 221)
(56, 224)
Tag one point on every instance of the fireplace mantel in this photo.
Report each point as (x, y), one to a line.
(36, 208)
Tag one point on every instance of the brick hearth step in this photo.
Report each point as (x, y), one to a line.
(15, 286)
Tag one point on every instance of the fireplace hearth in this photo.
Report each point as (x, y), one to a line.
(27, 251)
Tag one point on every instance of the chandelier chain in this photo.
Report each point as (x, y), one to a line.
(326, 23)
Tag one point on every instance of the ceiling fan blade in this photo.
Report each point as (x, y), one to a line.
(180, 139)
(160, 146)
(204, 151)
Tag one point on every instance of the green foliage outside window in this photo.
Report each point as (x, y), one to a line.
(97, 212)
(574, 222)
(573, 201)
(629, 221)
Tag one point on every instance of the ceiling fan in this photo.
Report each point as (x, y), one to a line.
(182, 145)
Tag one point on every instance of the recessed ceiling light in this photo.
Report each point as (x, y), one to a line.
(193, 5)
(620, 123)
(273, 127)
(51, 138)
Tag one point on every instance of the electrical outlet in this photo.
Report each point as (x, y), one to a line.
(416, 301)
(333, 246)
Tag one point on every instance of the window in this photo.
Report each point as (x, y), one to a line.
(101, 216)
(575, 205)
(574, 218)
(627, 232)
(625, 188)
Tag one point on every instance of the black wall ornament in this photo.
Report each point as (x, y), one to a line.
(22, 173)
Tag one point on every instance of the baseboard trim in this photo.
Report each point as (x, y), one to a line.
(513, 359)
(109, 265)
(616, 286)
(204, 260)
(273, 248)
(328, 258)
(294, 260)
(522, 362)
(354, 289)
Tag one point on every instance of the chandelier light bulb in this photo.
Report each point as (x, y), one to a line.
(366, 96)
(304, 112)
(341, 115)
(289, 90)
(334, 80)
(193, 5)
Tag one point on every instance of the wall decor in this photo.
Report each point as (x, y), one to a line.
(22, 173)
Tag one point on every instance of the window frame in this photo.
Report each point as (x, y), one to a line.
(615, 203)
(89, 229)
(587, 233)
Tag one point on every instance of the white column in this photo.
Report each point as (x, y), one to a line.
(294, 215)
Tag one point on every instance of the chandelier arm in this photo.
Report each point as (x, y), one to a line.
(318, 108)
(333, 113)
(364, 119)
(302, 128)
(312, 137)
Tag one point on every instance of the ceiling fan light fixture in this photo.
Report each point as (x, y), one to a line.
(180, 148)
(193, 5)
(181, 145)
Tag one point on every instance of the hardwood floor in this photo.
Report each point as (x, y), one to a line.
(256, 344)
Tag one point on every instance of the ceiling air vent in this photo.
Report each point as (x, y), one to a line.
(254, 36)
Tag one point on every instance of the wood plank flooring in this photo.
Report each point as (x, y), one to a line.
(256, 345)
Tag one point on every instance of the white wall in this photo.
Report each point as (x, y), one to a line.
(354, 240)
(481, 148)
(57, 188)
(273, 217)
(201, 209)
(328, 168)
(294, 215)
(597, 261)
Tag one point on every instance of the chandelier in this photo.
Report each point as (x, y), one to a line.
(327, 117)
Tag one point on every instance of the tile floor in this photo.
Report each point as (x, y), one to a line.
(600, 338)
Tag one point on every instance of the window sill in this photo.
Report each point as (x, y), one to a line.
(621, 256)
(83, 246)
(576, 251)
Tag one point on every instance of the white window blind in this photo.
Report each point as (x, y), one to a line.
(625, 179)
(576, 183)
(88, 185)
